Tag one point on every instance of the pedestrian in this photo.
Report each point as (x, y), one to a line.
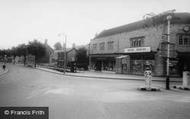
(4, 66)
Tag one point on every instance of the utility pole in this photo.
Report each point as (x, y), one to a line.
(89, 56)
(169, 17)
(64, 50)
(65, 57)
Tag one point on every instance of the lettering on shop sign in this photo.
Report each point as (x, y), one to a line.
(137, 49)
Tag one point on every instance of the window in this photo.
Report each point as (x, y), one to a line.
(110, 45)
(137, 41)
(180, 40)
(102, 46)
(184, 40)
(94, 47)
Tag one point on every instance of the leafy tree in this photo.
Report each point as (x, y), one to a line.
(13, 51)
(37, 49)
(20, 50)
(58, 46)
(82, 58)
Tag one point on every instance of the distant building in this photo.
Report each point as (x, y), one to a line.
(58, 57)
(129, 48)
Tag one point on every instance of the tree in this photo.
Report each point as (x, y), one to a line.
(82, 58)
(37, 49)
(20, 50)
(58, 46)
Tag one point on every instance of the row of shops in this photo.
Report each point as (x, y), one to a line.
(130, 48)
(136, 63)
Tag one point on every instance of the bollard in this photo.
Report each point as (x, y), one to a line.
(148, 78)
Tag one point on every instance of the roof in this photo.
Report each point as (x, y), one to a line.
(177, 18)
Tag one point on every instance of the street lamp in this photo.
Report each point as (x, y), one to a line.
(26, 54)
(89, 56)
(169, 17)
(64, 49)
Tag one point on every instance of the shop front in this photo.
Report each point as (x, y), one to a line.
(135, 60)
(134, 63)
(183, 63)
(103, 62)
(140, 61)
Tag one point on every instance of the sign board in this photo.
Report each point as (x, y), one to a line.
(137, 49)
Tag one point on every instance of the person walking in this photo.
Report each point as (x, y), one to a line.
(4, 66)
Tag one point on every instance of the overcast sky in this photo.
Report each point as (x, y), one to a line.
(24, 20)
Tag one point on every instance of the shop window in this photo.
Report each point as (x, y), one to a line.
(137, 41)
(184, 40)
(180, 40)
(94, 46)
(110, 45)
(102, 46)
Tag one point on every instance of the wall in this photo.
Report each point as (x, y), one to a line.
(71, 55)
(153, 38)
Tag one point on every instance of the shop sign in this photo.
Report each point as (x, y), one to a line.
(137, 49)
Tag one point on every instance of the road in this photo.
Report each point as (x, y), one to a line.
(90, 98)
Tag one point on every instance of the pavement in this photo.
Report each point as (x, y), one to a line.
(108, 75)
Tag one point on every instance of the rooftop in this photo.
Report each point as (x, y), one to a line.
(177, 18)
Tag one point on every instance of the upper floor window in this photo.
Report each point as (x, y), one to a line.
(110, 45)
(184, 40)
(137, 41)
(94, 46)
(102, 46)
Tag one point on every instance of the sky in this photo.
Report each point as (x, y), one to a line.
(22, 21)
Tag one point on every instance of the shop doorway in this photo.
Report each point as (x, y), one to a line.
(98, 66)
(184, 62)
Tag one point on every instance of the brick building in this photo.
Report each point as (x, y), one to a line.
(129, 48)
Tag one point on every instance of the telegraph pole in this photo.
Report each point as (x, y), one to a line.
(64, 50)
(65, 54)
(169, 17)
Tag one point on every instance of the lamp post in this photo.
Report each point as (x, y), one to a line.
(65, 57)
(169, 17)
(26, 54)
(89, 53)
(64, 49)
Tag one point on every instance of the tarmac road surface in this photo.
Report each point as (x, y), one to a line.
(90, 98)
